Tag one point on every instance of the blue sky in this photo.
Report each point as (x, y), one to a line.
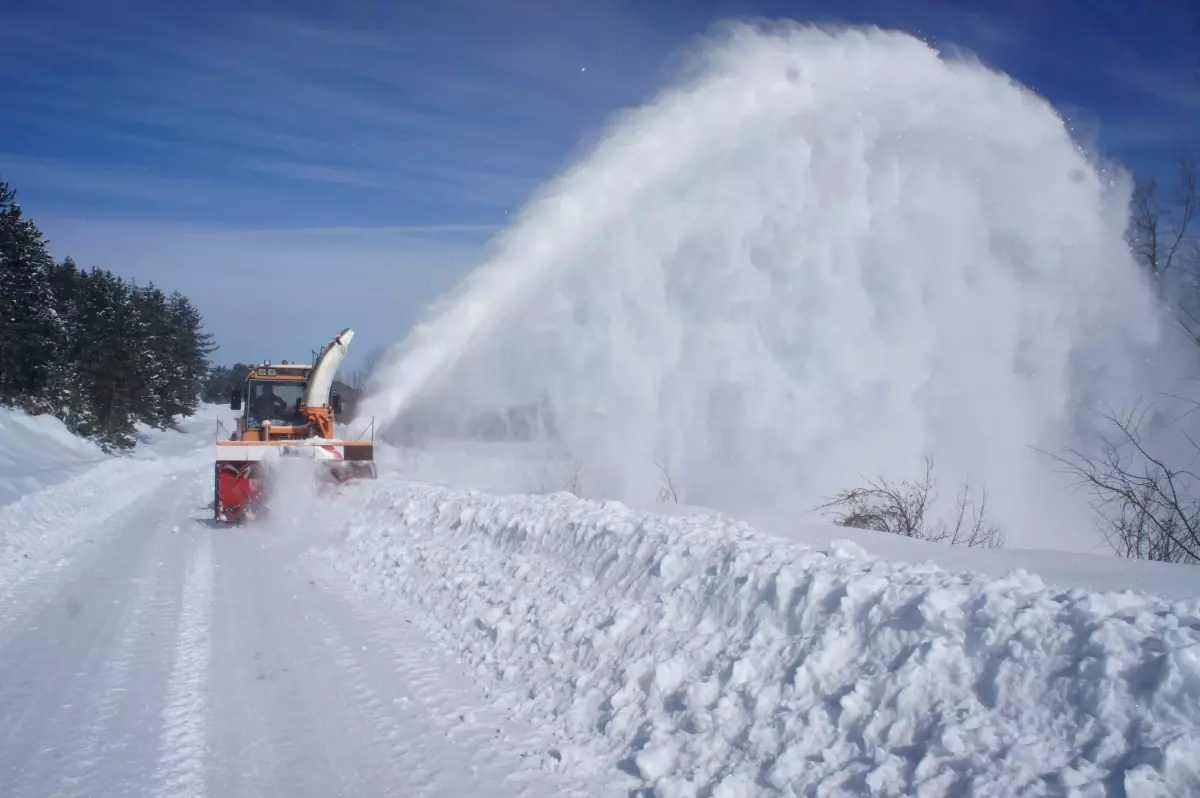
(240, 151)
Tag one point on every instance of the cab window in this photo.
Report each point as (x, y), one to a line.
(275, 401)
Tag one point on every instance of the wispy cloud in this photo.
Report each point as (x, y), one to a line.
(321, 174)
(413, 103)
(1177, 88)
(94, 185)
(406, 233)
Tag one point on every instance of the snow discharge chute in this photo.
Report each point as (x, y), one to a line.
(321, 380)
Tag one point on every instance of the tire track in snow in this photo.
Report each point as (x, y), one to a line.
(183, 749)
(120, 712)
(61, 670)
(94, 743)
(370, 707)
(44, 535)
(41, 703)
(28, 571)
(491, 748)
(244, 754)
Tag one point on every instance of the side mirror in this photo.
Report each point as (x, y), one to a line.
(335, 400)
(235, 400)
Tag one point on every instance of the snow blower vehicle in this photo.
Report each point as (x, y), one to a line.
(289, 411)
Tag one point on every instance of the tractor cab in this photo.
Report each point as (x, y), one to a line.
(273, 403)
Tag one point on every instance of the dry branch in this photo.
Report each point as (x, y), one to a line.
(902, 509)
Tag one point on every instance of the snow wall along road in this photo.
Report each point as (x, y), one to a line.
(708, 660)
(824, 254)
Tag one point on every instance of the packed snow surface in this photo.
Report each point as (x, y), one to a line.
(145, 651)
(708, 659)
(824, 254)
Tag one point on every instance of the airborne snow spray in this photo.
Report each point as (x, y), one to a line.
(824, 254)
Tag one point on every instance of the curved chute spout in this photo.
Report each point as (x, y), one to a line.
(321, 380)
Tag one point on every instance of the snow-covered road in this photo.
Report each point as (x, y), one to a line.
(157, 654)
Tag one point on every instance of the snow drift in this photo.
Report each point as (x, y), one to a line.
(823, 255)
(39, 451)
(708, 659)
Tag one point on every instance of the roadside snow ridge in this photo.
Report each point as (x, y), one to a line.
(707, 659)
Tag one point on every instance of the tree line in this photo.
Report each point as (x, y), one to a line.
(90, 348)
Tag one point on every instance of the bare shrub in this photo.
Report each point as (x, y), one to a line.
(1160, 227)
(561, 474)
(666, 487)
(902, 509)
(574, 478)
(1148, 509)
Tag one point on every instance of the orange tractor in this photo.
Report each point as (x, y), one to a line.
(288, 411)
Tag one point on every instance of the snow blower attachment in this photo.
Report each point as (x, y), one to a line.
(289, 411)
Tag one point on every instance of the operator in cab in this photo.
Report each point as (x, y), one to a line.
(267, 405)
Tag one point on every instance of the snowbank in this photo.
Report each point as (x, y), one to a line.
(529, 468)
(709, 659)
(39, 451)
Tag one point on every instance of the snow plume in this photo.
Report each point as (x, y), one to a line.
(297, 492)
(825, 255)
(707, 659)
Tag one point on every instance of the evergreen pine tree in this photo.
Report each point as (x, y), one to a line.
(75, 401)
(190, 354)
(153, 362)
(31, 334)
(106, 355)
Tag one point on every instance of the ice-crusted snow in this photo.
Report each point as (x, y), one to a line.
(710, 659)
